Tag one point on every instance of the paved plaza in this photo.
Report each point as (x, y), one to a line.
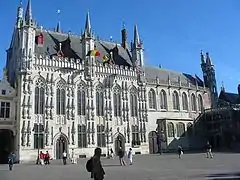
(146, 167)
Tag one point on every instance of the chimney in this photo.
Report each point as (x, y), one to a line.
(239, 89)
(124, 38)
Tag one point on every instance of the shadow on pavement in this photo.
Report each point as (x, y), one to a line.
(111, 165)
(224, 176)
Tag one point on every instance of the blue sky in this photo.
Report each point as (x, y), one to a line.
(173, 31)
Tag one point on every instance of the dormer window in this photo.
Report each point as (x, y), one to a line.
(3, 92)
(39, 39)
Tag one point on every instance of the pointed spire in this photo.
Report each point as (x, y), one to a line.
(87, 31)
(28, 15)
(202, 58)
(19, 15)
(58, 28)
(222, 87)
(136, 36)
(208, 59)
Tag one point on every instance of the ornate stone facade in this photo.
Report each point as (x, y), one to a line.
(69, 100)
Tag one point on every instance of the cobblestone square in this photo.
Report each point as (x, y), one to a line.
(146, 167)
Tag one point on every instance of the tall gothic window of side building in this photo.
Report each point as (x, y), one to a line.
(175, 100)
(99, 101)
(61, 97)
(133, 102)
(39, 96)
(101, 140)
(193, 102)
(163, 100)
(180, 129)
(135, 135)
(117, 101)
(82, 136)
(152, 99)
(171, 132)
(184, 101)
(81, 102)
(200, 103)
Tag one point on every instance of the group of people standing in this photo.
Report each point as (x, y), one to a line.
(44, 159)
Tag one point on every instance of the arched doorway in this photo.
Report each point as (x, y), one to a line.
(153, 142)
(6, 145)
(119, 142)
(61, 146)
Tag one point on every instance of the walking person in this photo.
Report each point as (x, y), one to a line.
(130, 156)
(180, 151)
(73, 159)
(111, 153)
(11, 158)
(97, 172)
(64, 158)
(121, 156)
(41, 158)
(209, 150)
(47, 158)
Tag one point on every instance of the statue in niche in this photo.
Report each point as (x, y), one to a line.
(73, 131)
(23, 139)
(28, 140)
(51, 135)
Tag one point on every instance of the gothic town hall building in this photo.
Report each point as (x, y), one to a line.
(56, 96)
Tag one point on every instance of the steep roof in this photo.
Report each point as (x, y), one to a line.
(72, 48)
(231, 98)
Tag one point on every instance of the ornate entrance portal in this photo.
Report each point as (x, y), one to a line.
(119, 142)
(61, 146)
(6, 145)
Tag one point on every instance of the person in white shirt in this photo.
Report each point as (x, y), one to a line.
(130, 156)
(64, 158)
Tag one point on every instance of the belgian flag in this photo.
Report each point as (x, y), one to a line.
(93, 53)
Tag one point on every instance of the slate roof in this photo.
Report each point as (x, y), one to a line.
(72, 48)
(231, 98)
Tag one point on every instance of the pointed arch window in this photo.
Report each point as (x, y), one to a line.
(152, 99)
(193, 101)
(171, 132)
(99, 101)
(117, 102)
(61, 97)
(135, 136)
(81, 99)
(101, 137)
(184, 101)
(39, 96)
(175, 99)
(82, 136)
(180, 129)
(200, 103)
(163, 100)
(133, 102)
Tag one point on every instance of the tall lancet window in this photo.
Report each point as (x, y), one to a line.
(184, 101)
(194, 103)
(61, 97)
(39, 96)
(117, 101)
(152, 99)
(99, 100)
(81, 99)
(163, 100)
(175, 100)
(133, 102)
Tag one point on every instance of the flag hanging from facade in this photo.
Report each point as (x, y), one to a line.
(93, 53)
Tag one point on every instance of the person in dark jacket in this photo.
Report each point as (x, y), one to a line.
(97, 170)
(180, 151)
(209, 150)
(121, 156)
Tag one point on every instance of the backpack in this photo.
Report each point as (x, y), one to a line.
(89, 165)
